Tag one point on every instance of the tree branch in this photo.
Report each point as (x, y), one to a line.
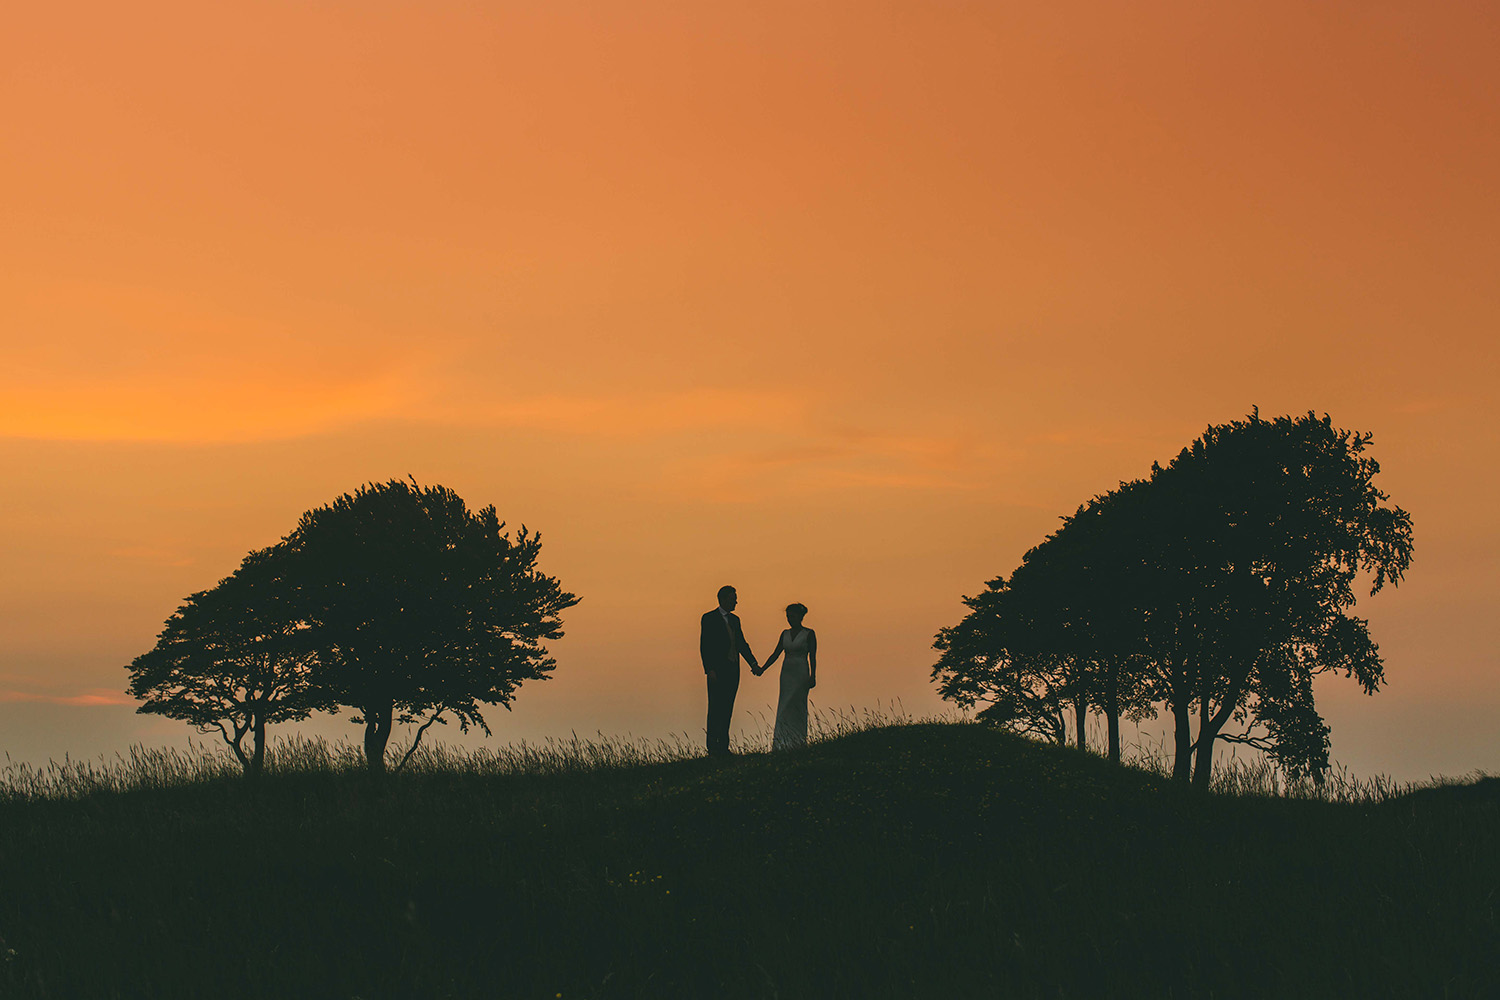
(234, 744)
(416, 740)
(1248, 738)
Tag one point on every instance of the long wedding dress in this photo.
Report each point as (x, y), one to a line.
(791, 709)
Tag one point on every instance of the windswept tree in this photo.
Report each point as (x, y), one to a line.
(1149, 605)
(421, 610)
(1220, 587)
(1088, 607)
(233, 659)
(1055, 639)
(1274, 523)
(980, 664)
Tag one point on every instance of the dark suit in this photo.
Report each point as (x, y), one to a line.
(721, 645)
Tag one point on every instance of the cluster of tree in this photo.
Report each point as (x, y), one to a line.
(397, 602)
(1217, 589)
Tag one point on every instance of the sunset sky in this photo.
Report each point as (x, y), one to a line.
(839, 303)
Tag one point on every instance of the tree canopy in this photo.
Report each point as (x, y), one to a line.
(234, 659)
(1218, 587)
(396, 601)
(422, 609)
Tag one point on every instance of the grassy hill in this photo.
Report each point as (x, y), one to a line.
(930, 860)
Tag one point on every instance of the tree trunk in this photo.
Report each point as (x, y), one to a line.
(1209, 728)
(1080, 716)
(235, 742)
(1112, 710)
(258, 759)
(239, 751)
(1182, 763)
(1203, 767)
(377, 735)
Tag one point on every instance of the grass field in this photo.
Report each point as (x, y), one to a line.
(919, 860)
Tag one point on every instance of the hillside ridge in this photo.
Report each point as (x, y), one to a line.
(917, 860)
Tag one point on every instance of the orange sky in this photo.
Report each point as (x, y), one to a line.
(842, 303)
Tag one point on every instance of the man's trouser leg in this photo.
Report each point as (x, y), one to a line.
(722, 688)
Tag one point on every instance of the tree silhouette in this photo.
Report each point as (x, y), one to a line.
(1058, 635)
(421, 609)
(1149, 610)
(983, 661)
(1274, 521)
(1089, 589)
(233, 659)
(1220, 587)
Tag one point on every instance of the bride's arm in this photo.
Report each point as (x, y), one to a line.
(774, 653)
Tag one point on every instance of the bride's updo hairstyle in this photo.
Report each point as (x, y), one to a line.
(797, 611)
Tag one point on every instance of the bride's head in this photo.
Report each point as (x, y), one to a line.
(795, 613)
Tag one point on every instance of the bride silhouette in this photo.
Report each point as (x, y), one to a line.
(799, 675)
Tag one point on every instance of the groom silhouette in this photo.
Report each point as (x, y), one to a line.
(721, 644)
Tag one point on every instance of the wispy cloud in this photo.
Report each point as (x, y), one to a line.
(225, 407)
(96, 696)
(841, 459)
(146, 554)
(1419, 407)
(632, 414)
(114, 361)
(190, 409)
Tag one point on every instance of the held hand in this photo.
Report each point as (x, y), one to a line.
(812, 682)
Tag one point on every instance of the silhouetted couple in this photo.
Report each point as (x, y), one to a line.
(722, 644)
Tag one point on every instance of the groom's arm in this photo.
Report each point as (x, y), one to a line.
(745, 647)
(706, 645)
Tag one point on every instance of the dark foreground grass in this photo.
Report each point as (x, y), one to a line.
(933, 860)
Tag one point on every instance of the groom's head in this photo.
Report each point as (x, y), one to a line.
(727, 598)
